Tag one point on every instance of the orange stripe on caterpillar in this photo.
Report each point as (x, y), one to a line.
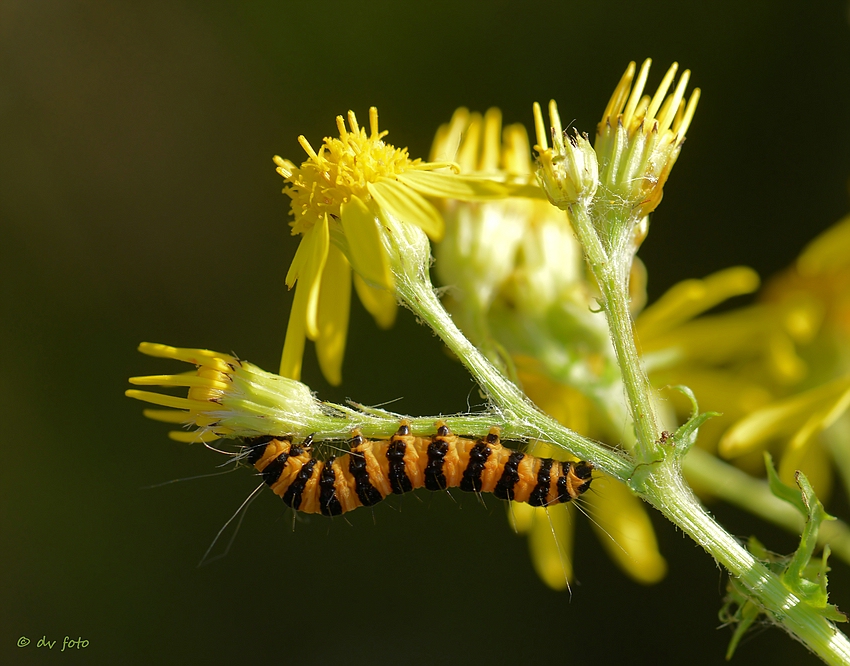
(374, 469)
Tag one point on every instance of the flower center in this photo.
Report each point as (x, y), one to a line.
(341, 169)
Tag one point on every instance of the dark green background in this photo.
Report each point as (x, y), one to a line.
(138, 201)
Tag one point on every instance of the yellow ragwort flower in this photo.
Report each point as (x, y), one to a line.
(227, 397)
(809, 416)
(753, 365)
(639, 138)
(343, 196)
(568, 171)
(514, 249)
(620, 180)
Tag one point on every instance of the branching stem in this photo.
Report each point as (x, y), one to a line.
(656, 476)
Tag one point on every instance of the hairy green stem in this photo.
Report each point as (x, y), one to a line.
(666, 490)
(379, 424)
(658, 480)
(738, 488)
(613, 286)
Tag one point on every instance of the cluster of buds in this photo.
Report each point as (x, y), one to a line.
(637, 143)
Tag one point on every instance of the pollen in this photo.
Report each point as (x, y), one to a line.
(341, 169)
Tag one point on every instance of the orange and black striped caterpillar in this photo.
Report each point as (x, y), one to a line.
(375, 468)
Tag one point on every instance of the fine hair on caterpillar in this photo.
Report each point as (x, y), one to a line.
(374, 469)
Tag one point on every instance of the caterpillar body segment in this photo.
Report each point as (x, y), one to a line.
(374, 469)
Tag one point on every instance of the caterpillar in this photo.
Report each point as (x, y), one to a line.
(374, 469)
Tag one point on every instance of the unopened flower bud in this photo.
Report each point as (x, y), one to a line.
(568, 171)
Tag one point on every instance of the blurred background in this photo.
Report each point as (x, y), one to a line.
(138, 201)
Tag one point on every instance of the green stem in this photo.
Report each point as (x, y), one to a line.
(378, 424)
(738, 488)
(613, 285)
(661, 484)
(417, 293)
(660, 480)
(665, 490)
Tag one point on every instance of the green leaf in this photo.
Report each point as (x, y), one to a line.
(686, 435)
(805, 579)
(744, 618)
(782, 491)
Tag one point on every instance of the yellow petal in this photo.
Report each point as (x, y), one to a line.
(206, 357)
(516, 152)
(491, 144)
(687, 299)
(733, 394)
(168, 400)
(379, 303)
(468, 188)
(447, 140)
(293, 345)
(803, 453)
(407, 206)
(824, 404)
(469, 140)
(306, 268)
(625, 530)
(193, 436)
(551, 544)
(168, 416)
(521, 516)
(761, 332)
(310, 255)
(183, 379)
(334, 305)
(366, 252)
(830, 251)
(637, 281)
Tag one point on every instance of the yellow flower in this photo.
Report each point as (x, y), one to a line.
(518, 287)
(778, 371)
(515, 250)
(343, 197)
(228, 398)
(568, 171)
(810, 414)
(618, 182)
(639, 138)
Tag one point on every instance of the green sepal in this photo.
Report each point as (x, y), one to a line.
(780, 489)
(806, 579)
